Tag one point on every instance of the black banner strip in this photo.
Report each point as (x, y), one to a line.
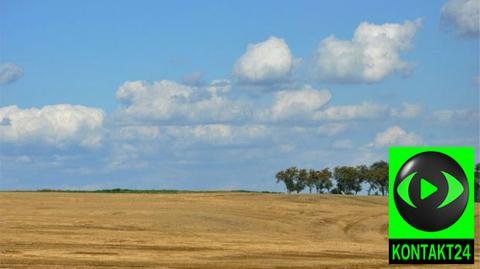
(431, 251)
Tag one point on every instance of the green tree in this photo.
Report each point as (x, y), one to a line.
(322, 180)
(378, 176)
(288, 178)
(347, 179)
(301, 180)
(293, 179)
(363, 173)
(310, 181)
(477, 183)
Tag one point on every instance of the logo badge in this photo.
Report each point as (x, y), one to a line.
(431, 205)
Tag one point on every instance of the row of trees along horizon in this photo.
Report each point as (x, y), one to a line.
(348, 179)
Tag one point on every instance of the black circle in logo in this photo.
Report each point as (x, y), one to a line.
(429, 212)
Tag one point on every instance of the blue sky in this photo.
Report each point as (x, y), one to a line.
(221, 95)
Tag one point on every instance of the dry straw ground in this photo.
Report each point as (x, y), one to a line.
(197, 230)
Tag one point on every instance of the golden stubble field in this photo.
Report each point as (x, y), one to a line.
(197, 230)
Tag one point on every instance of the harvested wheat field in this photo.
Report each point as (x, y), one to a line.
(194, 230)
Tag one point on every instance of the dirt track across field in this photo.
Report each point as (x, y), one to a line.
(197, 230)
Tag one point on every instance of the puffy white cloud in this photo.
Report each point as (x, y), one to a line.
(363, 110)
(267, 61)
(408, 111)
(167, 101)
(168, 116)
(396, 136)
(371, 55)
(464, 15)
(9, 73)
(57, 125)
(311, 105)
(298, 104)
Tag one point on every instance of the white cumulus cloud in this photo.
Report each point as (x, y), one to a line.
(396, 136)
(463, 15)
(9, 73)
(170, 101)
(371, 55)
(267, 61)
(57, 125)
(298, 103)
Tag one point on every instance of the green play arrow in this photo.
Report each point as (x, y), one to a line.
(426, 188)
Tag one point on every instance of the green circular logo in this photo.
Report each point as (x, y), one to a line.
(431, 191)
